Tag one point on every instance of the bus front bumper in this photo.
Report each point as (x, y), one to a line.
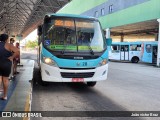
(55, 74)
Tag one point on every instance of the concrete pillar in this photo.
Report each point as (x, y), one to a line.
(122, 37)
(158, 54)
(107, 33)
(156, 37)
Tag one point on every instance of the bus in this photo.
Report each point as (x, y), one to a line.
(134, 51)
(125, 51)
(72, 48)
(149, 52)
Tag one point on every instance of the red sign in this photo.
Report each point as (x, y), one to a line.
(77, 79)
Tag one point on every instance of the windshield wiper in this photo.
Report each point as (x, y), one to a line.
(64, 48)
(91, 51)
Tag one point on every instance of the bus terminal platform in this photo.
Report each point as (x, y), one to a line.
(20, 89)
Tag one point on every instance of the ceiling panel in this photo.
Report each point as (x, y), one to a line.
(147, 27)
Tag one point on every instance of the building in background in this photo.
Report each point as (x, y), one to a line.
(128, 20)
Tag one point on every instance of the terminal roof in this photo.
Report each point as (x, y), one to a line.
(20, 17)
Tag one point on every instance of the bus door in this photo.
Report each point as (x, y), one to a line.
(147, 55)
(154, 53)
(124, 52)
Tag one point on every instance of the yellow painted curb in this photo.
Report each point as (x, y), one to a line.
(28, 105)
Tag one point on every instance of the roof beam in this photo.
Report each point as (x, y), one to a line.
(26, 5)
(134, 32)
(24, 9)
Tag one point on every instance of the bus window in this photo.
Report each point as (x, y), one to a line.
(138, 47)
(124, 48)
(135, 47)
(155, 51)
(148, 48)
(115, 48)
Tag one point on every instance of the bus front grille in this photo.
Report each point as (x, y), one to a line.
(77, 75)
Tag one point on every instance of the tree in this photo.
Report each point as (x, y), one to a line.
(32, 44)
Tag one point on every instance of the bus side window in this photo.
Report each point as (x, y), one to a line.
(138, 47)
(126, 48)
(135, 47)
(122, 48)
(148, 48)
(155, 51)
(115, 48)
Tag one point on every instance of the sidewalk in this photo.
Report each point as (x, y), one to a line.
(20, 89)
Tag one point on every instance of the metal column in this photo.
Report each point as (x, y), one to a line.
(107, 33)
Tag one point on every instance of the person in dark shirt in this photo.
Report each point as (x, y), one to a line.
(6, 58)
(82, 40)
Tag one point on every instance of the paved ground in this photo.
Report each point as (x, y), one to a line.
(18, 91)
(130, 87)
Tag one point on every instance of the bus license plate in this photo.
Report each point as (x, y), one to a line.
(77, 79)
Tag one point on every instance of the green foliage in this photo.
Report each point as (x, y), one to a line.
(31, 44)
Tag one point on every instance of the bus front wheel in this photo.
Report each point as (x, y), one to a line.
(135, 60)
(91, 84)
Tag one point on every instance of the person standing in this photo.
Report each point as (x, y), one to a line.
(11, 76)
(6, 58)
(16, 61)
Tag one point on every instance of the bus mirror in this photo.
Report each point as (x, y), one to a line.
(39, 31)
(109, 41)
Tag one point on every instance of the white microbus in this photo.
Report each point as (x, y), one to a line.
(125, 51)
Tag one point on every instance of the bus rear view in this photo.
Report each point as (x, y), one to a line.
(72, 49)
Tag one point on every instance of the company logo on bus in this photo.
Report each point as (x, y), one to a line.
(80, 58)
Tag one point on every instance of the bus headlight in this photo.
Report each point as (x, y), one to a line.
(103, 62)
(49, 61)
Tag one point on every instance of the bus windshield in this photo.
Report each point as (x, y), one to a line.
(73, 35)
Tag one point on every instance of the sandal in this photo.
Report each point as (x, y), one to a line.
(3, 98)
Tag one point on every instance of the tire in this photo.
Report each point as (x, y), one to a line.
(135, 60)
(91, 84)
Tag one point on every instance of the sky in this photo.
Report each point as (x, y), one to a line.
(31, 37)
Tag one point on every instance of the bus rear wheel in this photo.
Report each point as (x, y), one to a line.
(135, 60)
(91, 84)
